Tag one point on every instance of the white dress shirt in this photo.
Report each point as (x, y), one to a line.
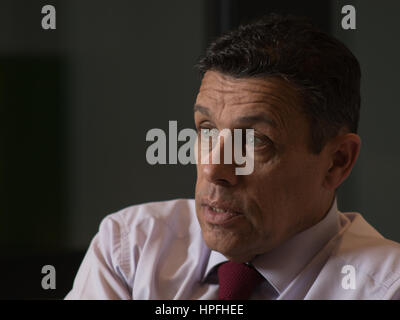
(156, 251)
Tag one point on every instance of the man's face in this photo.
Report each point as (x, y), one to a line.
(245, 215)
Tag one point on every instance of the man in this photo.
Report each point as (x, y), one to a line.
(275, 233)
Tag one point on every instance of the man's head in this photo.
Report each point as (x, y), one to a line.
(299, 89)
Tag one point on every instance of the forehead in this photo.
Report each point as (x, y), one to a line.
(223, 94)
(217, 85)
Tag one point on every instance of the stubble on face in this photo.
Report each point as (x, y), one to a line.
(270, 200)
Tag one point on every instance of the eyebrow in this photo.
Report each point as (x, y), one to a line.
(201, 109)
(245, 119)
(257, 118)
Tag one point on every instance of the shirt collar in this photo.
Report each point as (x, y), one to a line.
(214, 260)
(282, 264)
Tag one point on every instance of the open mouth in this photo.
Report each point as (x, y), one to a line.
(219, 215)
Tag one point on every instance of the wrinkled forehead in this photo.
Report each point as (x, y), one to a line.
(218, 90)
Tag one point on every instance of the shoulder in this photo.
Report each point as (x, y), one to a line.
(134, 241)
(375, 259)
(147, 232)
(362, 241)
(176, 215)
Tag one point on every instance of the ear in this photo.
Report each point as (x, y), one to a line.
(343, 153)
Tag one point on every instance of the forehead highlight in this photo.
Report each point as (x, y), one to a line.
(271, 90)
(273, 95)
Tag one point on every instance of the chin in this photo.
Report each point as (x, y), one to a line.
(226, 243)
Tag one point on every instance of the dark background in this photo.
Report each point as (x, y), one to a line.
(76, 104)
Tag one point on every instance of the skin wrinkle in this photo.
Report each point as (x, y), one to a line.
(248, 118)
(290, 188)
(280, 123)
(265, 94)
(274, 131)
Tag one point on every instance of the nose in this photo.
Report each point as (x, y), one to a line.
(220, 172)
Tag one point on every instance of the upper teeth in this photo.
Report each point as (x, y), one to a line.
(218, 209)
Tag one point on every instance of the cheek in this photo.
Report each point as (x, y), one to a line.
(200, 177)
(272, 190)
(279, 189)
(282, 178)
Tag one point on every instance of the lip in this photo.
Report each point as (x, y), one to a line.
(226, 213)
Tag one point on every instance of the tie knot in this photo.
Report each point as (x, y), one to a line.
(237, 281)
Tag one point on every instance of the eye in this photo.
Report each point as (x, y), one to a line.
(253, 140)
(256, 141)
(206, 133)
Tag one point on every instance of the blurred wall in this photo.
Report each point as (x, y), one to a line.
(372, 188)
(127, 68)
(131, 70)
(33, 105)
(75, 106)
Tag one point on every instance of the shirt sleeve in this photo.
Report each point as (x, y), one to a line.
(100, 276)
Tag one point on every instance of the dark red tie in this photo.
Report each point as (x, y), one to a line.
(237, 281)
